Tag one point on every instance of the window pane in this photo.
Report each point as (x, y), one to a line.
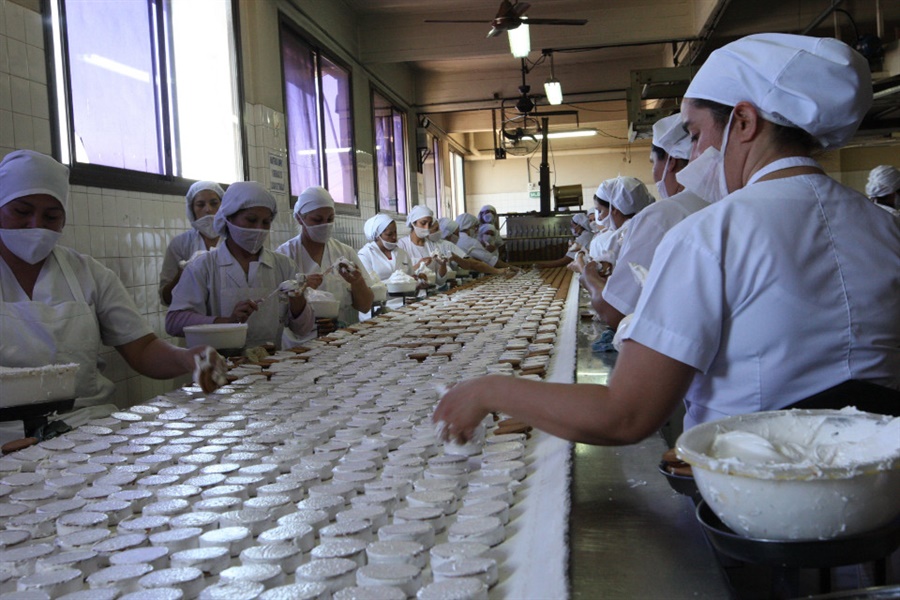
(384, 154)
(207, 122)
(114, 97)
(302, 116)
(400, 159)
(338, 115)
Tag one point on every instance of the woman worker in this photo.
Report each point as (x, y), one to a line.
(780, 305)
(449, 237)
(581, 231)
(59, 306)
(203, 200)
(315, 253)
(883, 188)
(381, 254)
(234, 282)
(417, 244)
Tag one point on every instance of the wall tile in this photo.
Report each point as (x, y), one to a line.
(5, 90)
(23, 131)
(17, 54)
(20, 94)
(15, 21)
(7, 129)
(34, 31)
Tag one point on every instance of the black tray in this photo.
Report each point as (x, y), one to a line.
(818, 554)
(683, 484)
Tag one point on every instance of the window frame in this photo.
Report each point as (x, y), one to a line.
(104, 176)
(319, 49)
(406, 178)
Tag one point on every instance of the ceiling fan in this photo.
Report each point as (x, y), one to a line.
(510, 16)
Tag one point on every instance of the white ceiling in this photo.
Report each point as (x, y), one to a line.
(462, 75)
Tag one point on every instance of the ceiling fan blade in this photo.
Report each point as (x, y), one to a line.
(557, 21)
(494, 32)
(455, 21)
(519, 9)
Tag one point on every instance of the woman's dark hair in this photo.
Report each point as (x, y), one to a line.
(782, 135)
(658, 152)
(602, 202)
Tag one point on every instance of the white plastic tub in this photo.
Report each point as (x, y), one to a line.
(33, 385)
(221, 336)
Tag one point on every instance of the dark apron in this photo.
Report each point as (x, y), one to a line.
(864, 395)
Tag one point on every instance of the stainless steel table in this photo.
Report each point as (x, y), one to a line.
(630, 535)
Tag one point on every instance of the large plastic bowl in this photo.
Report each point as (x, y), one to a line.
(757, 495)
(221, 336)
(325, 309)
(401, 287)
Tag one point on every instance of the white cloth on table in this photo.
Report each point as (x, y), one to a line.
(214, 283)
(783, 289)
(77, 304)
(182, 247)
(645, 231)
(332, 282)
(374, 261)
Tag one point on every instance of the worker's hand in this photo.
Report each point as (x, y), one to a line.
(462, 408)
(578, 264)
(351, 276)
(425, 261)
(243, 310)
(314, 280)
(209, 368)
(604, 268)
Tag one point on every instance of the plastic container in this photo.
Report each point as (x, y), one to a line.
(221, 336)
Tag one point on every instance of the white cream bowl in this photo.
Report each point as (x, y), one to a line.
(325, 309)
(221, 336)
(842, 476)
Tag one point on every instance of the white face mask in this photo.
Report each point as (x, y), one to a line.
(32, 244)
(705, 175)
(205, 226)
(608, 222)
(319, 233)
(422, 232)
(388, 245)
(435, 237)
(251, 240)
(661, 184)
(487, 217)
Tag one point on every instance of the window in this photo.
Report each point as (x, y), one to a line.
(390, 154)
(431, 175)
(319, 119)
(457, 183)
(142, 88)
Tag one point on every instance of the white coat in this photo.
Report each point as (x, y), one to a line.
(472, 247)
(182, 247)
(783, 289)
(332, 282)
(374, 261)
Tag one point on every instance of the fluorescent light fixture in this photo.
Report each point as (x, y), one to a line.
(520, 40)
(553, 90)
(555, 135)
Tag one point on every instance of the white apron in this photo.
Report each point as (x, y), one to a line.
(265, 325)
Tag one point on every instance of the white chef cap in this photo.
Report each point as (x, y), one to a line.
(819, 85)
(419, 211)
(25, 172)
(486, 208)
(241, 195)
(582, 220)
(466, 221)
(312, 198)
(884, 180)
(488, 228)
(448, 226)
(376, 226)
(196, 189)
(669, 134)
(629, 195)
(604, 190)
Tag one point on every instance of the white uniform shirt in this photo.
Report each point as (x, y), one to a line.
(214, 283)
(474, 249)
(332, 282)
(782, 290)
(417, 253)
(374, 261)
(601, 243)
(182, 247)
(645, 232)
(583, 240)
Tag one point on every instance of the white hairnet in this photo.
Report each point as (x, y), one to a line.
(466, 221)
(312, 198)
(629, 195)
(486, 208)
(448, 226)
(669, 134)
(376, 226)
(196, 189)
(419, 211)
(582, 220)
(883, 181)
(488, 228)
(25, 173)
(604, 190)
(241, 195)
(819, 85)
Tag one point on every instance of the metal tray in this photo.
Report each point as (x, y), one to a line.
(681, 483)
(818, 554)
